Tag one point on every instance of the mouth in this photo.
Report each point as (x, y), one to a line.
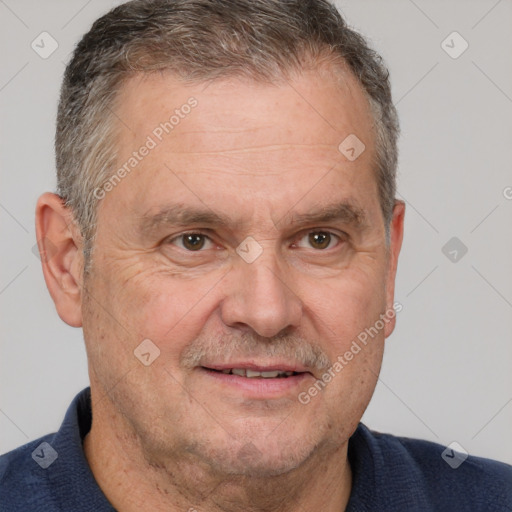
(257, 381)
(255, 374)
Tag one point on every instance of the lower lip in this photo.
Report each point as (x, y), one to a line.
(259, 387)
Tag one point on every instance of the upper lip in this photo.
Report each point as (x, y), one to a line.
(258, 367)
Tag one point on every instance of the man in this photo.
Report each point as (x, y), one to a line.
(226, 234)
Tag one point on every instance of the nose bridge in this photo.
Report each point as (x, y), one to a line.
(260, 295)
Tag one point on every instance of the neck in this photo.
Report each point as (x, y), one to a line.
(132, 481)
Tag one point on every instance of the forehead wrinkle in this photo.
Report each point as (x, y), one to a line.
(269, 147)
(180, 215)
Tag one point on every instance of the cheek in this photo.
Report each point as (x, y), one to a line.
(343, 307)
(347, 313)
(168, 310)
(346, 319)
(108, 339)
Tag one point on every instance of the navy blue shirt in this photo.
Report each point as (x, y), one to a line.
(389, 474)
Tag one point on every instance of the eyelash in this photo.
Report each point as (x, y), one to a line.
(339, 238)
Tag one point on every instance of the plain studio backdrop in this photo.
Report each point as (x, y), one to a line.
(447, 373)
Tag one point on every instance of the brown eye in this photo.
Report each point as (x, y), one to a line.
(319, 239)
(193, 242)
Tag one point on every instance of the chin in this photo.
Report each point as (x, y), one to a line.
(260, 458)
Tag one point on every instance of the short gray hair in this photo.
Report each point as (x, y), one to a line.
(203, 40)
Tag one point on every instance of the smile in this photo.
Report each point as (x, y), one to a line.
(254, 374)
(257, 381)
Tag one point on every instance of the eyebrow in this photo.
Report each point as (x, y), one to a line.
(345, 212)
(182, 216)
(179, 216)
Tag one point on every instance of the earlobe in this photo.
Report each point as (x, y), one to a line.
(396, 233)
(60, 245)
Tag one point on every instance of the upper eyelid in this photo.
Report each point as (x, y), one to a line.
(190, 232)
(320, 230)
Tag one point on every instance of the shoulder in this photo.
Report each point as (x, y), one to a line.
(52, 473)
(446, 478)
(23, 480)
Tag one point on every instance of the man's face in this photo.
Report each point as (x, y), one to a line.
(172, 263)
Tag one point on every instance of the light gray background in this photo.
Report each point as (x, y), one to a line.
(447, 368)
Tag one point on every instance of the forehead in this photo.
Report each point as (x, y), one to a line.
(233, 135)
(329, 99)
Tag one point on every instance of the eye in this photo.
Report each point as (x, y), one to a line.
(192, 241)
(320, 240)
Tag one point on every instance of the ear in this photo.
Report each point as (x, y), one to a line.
(60, 243)
(396, 233)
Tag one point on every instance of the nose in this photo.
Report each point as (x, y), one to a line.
(260, 299)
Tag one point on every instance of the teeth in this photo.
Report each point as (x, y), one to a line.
(267, 375)
(251, 374)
